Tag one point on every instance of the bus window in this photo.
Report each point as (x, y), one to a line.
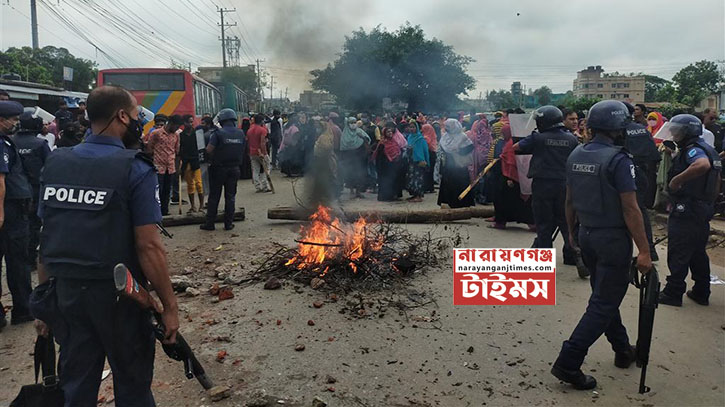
(145, 81)
(166, 81)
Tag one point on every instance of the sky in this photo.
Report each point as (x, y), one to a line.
(535, 42)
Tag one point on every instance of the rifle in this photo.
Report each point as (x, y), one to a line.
(649, 291)
(163, 231)
(478, 178)
(127, 286)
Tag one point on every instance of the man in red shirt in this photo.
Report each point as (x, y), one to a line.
(257, 139)
(164, 145)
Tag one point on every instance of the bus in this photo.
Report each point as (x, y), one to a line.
(166, 91)
(234, 98)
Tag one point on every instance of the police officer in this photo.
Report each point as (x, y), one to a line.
(694, 181)
(226, 148)
(601, 194)
(550, 147)
(15, 195)
(640, 144)
(99, 206)
(33, 152)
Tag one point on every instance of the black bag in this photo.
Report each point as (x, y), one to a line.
(48, 393)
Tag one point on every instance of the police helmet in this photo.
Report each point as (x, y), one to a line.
(608, 115)
(630, 108)
(548, 117)
(30, 123)
(226, 114)
(686, 126)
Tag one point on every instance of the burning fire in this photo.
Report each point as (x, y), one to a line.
(326, 239)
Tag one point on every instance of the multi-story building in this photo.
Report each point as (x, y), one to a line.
(591, 83)
(517, 93)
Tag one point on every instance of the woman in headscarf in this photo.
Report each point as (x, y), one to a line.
(480, 135)
(354, 144)
(456, 151)
(291, 150)
(655, 121)
(429, 134)
(388, 159)
(418, 162)
(323, 179)
(509, 204)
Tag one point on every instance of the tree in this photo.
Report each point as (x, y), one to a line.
(696, 81)
(401, 65)
(668, 93)
(501, 100)
(579, 104)
(543, 95)
(652, 85)
(45, 65)
(244, 78)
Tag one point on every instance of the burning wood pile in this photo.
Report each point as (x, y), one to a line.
(359, 255)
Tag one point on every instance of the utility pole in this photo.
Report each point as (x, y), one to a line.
(34, 23)
(285, 92)
(259, 85)
(271, 88)
(223, 26)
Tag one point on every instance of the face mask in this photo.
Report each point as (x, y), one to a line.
(652, 123)
(353, 126)
(132, 136)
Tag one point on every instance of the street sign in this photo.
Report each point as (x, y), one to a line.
(67, 74)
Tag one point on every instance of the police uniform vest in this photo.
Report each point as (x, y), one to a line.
(594, 196)
(87, 226)
(30, 149)
(16, 181)
(640, 144)
(702, 188)
(230, 147)
(549, 157)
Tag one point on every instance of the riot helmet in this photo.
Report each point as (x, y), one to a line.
(684, 127)
(30, 123)
(608, 115)
(548, 117)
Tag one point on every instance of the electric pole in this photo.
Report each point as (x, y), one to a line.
(259, 85)
(271, 88)
(34, 23)
(223, 26)
(285, 92)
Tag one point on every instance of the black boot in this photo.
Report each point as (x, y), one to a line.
(624, 360)
(700, 300)
(229, 226)
(206, 226)
(669, 300)
(576, 378)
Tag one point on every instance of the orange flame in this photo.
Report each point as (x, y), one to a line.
(326, 238)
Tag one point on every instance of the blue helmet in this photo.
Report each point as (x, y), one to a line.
(685, 125)
(226, 114)
(547, 117)
(608, 115)
(30, 123)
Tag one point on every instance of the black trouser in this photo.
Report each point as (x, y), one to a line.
(429, 183)
(165, 181)
(548, 205)
(14, 246)
(93, 326)
(686, 251)
(642, 184)
(226, 177)
(650, 170)
(274, 146)
(34, 236)
(607, 253)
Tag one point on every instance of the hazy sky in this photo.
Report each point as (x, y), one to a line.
(539, 43)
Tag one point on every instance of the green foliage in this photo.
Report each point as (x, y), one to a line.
(579, 104)
(401, 65)
(543, 95)
(652, 85)
(696, 81)
(671, 109)
(45, 65)
(243, 77)
(502, 100)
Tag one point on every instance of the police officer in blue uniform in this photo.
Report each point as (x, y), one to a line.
(99, 206)
(601, 194)
(640, 144)
(15, 196)
(694, 182)
(33, 152)
(550, 147)
(226, 148)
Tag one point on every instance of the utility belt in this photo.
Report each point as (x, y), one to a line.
(691, 208)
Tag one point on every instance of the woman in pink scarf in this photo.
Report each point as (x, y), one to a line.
(509, 204)
(389, 164)
(480, 135)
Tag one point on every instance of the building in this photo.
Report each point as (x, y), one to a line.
(712, 102)
(314, 100)
(591, 83)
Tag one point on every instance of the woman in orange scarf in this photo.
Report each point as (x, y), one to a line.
(655, 121)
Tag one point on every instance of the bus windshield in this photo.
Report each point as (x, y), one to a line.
(146, 81)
